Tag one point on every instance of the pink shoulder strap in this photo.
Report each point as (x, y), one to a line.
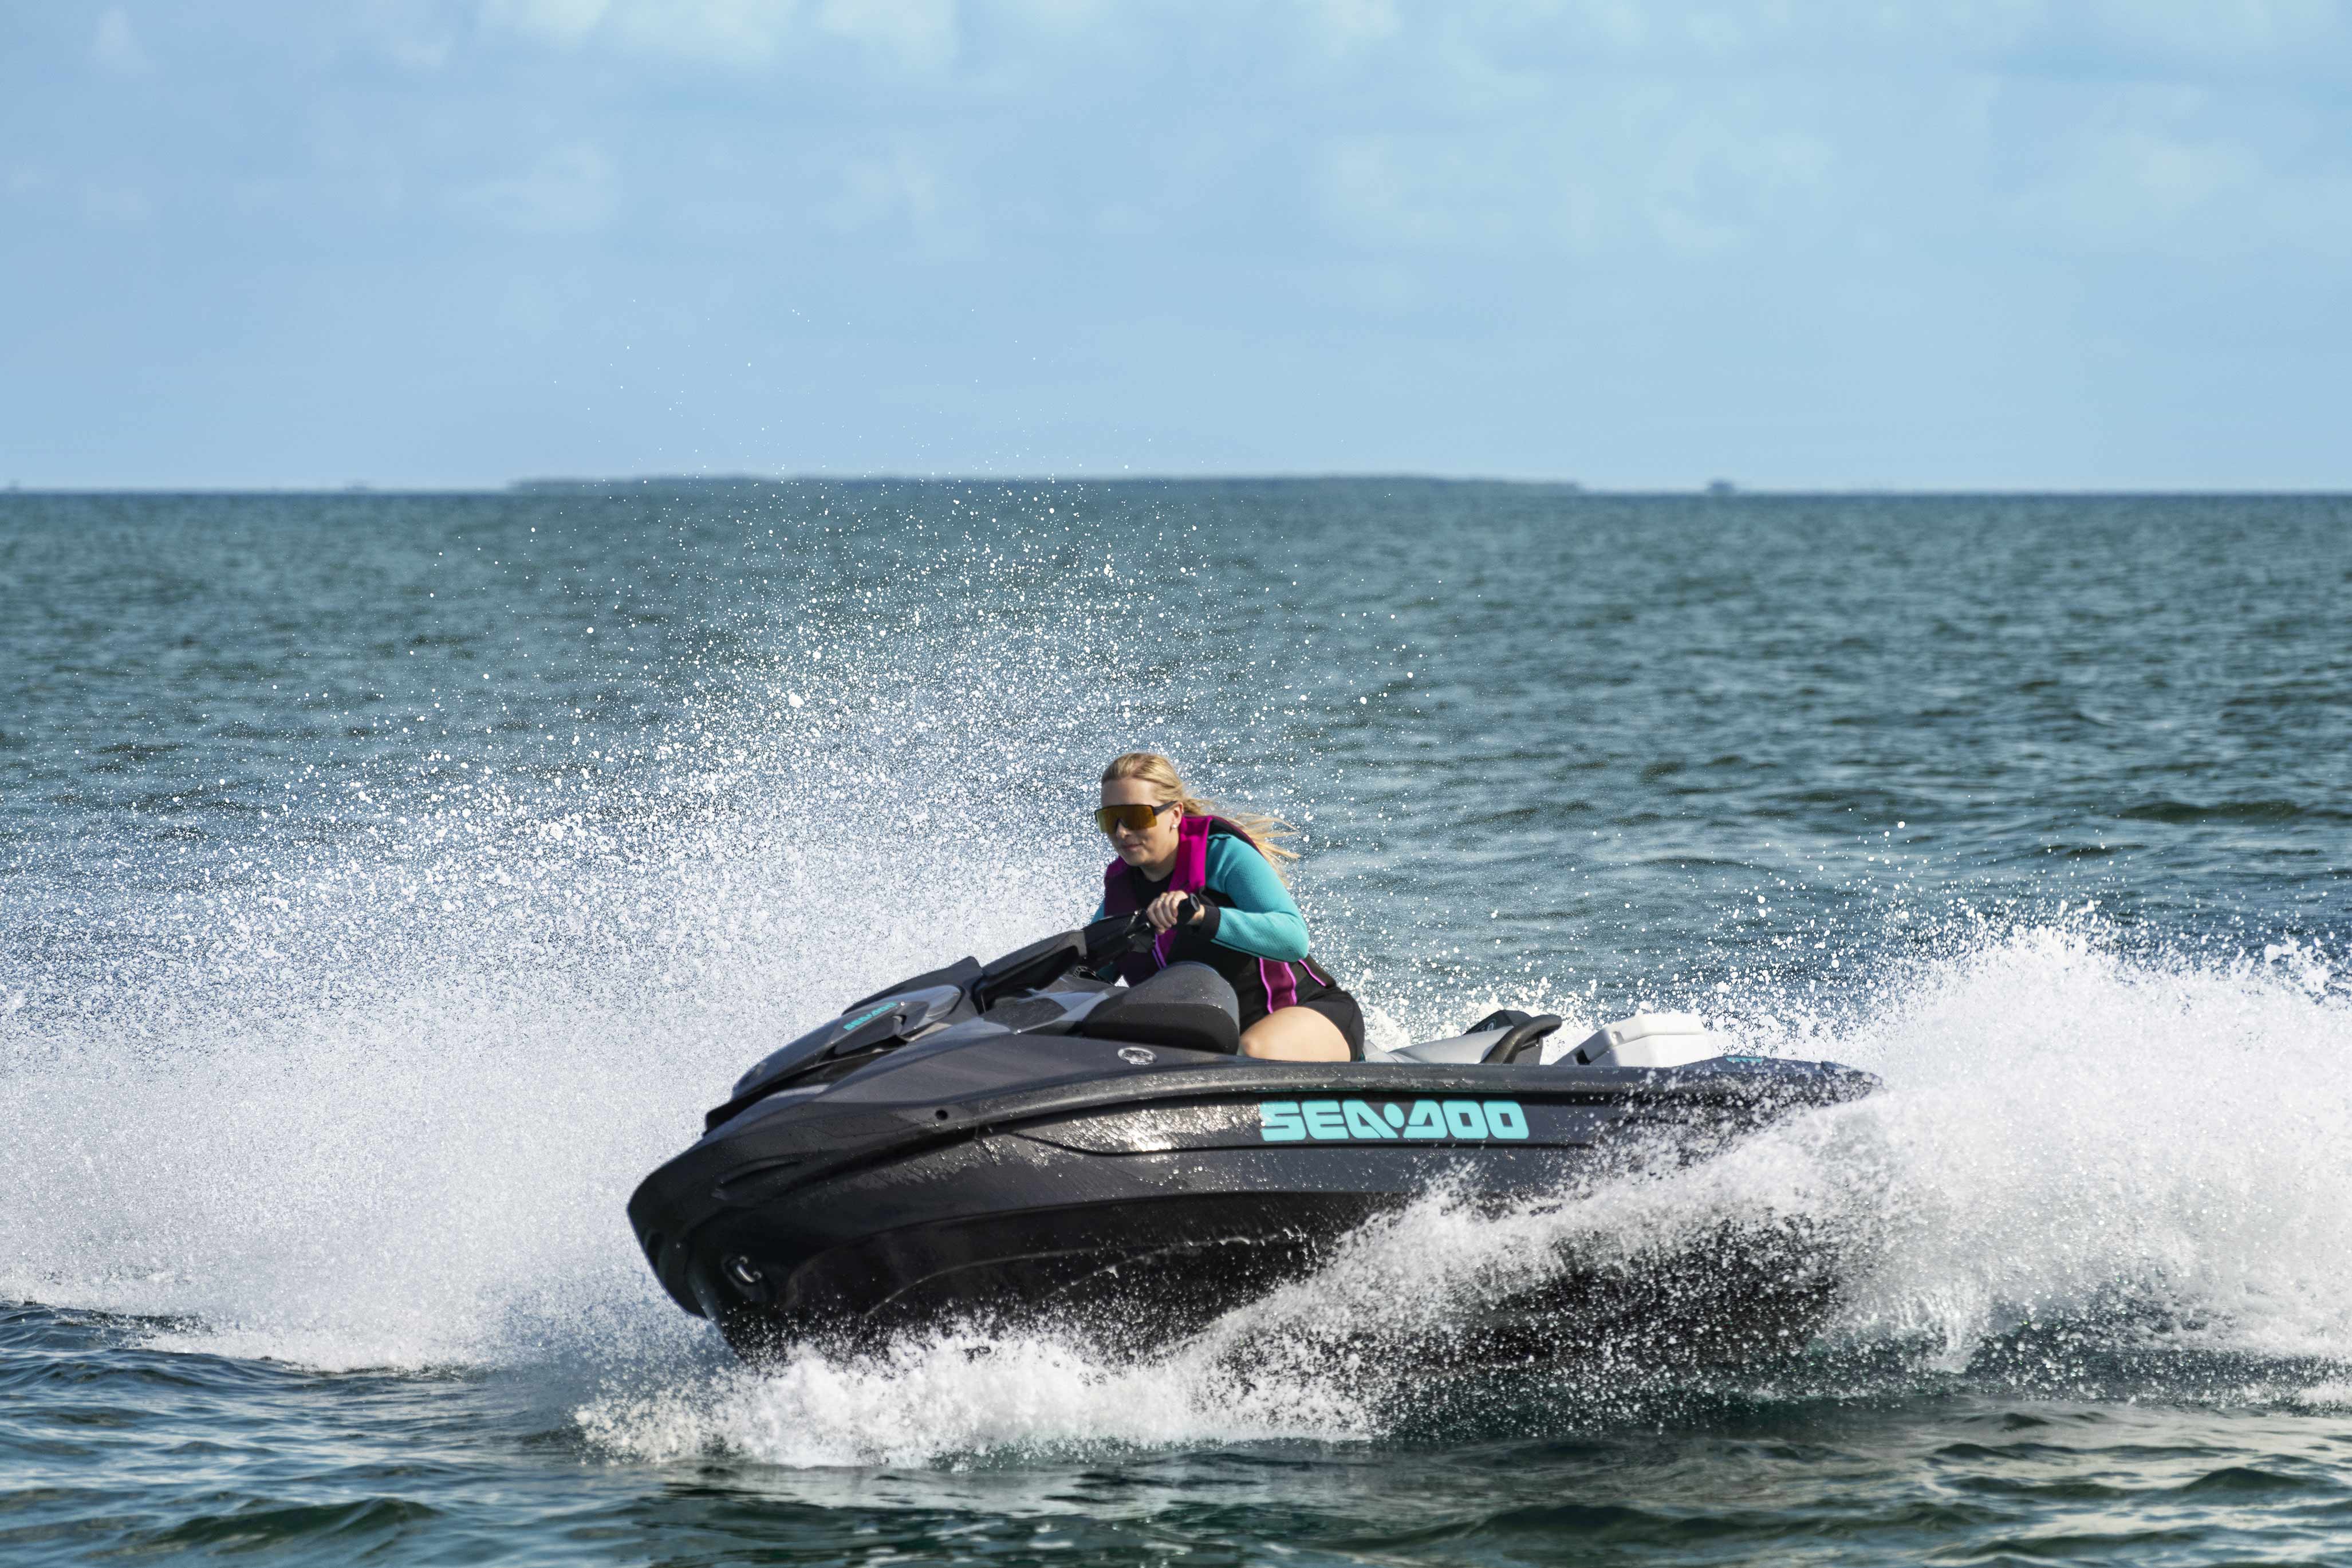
(1189, 875)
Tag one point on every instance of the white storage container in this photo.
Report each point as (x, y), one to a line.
(1650, 1040)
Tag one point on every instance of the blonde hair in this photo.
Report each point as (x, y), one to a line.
(1157, 771)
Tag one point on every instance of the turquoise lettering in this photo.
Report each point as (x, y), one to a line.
(1505, 1119)
(1325, 1119)
(1361, 1122)
(1465, 1120)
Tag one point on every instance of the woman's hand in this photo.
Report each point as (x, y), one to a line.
(1166, 910)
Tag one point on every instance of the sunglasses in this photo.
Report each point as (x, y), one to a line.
(1137, 818)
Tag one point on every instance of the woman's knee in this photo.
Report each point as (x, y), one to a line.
(1295, 1035)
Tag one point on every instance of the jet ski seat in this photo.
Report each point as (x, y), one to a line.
(1186, 1007)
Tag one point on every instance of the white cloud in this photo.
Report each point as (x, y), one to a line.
(900, 184)
(1634, 166)
(725, 32)
(2198, 28)
(414, 35)
(2175, 177)
(1821, 34)
(1422, 192)
(570, 190)
(1062, 16)
(555, 21)
(1506, 34)
(2148, 188)
(2207, 170)
(116, 48)
(920, 33)
(1717, 183)
(719, 32)
(1349, 24)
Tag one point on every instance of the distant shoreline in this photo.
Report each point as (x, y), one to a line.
(1711, 490)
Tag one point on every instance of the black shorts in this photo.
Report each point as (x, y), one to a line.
(1340, 1008)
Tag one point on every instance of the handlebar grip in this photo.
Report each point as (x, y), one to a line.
(1189, 911)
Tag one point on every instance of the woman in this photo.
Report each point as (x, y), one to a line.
(1246, 926)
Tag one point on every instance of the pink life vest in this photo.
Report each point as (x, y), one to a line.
(1190, 875)
(1263, 985)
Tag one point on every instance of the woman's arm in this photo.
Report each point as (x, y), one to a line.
(1263, 921)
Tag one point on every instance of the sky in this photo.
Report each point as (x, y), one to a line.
(1918, 243)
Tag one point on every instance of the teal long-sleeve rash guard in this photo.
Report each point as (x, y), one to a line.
(1263, 921)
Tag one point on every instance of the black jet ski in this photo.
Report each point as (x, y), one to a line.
(1024, 1140)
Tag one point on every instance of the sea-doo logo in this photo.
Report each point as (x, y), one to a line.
(1359, 1122)
(866, 1017)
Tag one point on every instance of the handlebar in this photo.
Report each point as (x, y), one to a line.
(1091, 948)
(1133, 936)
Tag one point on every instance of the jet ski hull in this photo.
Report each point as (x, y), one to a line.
(1134, 1201)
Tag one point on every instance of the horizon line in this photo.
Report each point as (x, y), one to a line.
(1712, 487)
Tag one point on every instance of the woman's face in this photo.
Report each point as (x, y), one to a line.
(1153, 850)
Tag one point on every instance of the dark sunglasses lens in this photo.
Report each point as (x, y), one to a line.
(1134, 818)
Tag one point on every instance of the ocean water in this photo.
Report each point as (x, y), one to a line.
(387, 882)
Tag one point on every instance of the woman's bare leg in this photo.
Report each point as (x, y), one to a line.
(1295, 1035)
